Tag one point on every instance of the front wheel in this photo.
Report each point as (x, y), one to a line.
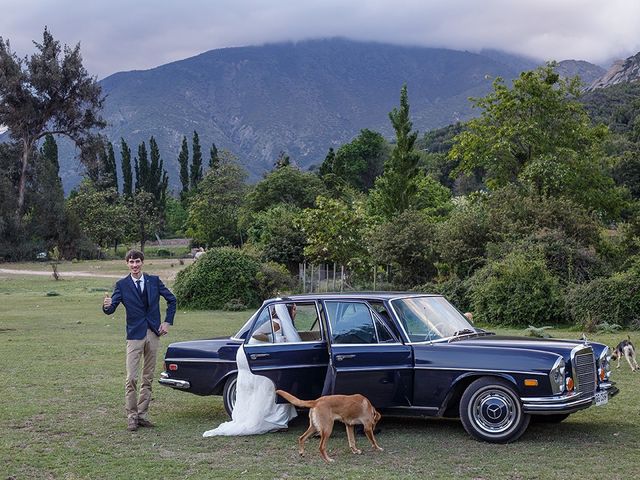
(229, 393)
(490, 410)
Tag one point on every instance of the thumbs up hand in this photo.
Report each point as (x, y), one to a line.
(106, 303)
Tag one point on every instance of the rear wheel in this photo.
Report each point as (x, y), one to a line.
(490, 410)
(229, 394)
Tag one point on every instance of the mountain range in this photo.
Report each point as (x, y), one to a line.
(300, 98)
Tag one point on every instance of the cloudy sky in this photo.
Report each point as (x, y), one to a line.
(117, 35)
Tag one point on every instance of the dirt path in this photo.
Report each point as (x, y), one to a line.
(62, 274)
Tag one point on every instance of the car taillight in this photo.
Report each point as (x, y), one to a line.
(173, 367)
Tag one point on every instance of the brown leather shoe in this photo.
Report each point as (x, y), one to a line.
(143, 422)
(132, 424)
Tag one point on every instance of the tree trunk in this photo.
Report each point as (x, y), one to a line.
(26, 148)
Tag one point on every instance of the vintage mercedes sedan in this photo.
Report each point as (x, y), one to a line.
(410, 354)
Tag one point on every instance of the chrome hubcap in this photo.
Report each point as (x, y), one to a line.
(494, 410)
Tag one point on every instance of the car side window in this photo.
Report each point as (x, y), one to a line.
(306, 321)
(351, 322)
(262, 330)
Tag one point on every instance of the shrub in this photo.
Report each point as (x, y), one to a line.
(453, 289)
(612, 300)
(223, 275)
(273, 279)
(518, 290)
(164, 253)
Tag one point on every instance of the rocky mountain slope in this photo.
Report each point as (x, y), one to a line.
(622, 71)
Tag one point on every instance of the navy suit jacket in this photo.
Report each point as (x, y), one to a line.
(140, 317)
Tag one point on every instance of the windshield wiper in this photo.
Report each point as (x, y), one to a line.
(464, 331)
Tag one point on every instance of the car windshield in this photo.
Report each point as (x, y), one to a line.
(430, 318)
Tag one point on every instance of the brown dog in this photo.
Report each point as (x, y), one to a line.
(349, 409)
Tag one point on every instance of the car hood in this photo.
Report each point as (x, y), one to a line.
(559, 346)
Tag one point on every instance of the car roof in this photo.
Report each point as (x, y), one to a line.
(351, 295)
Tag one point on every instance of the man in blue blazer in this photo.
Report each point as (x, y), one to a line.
(140, 294)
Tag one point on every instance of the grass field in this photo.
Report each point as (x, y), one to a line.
(62, 414)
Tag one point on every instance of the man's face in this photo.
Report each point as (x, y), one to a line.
(135, 266)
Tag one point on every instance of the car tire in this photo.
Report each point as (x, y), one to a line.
(229, 393)
(491, 411)
(555, 418)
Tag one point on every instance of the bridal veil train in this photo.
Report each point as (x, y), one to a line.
(256, 410)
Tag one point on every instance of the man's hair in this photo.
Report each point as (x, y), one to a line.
(134, 254)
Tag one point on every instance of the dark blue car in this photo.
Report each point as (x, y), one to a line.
(410, 354)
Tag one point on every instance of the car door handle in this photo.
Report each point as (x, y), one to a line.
(339, 358)
(255, 356)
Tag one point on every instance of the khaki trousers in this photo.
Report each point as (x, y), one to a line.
(147, 348)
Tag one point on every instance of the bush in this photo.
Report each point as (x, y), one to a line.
(453, 289)
(223, 275)
(612, 300)
(518, 290)
(273, 279)
(164, 253)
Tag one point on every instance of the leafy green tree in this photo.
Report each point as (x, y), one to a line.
(183, 162)
(537, 134)
(146, 217)
(101, 215)
(277, 235)
(49, 92)
(127, 175)
(213, 211)
(335, 232)
(407, 243)
(357, 163)
(176, 217)
(285, 185)
(196, 162)
(396, 187)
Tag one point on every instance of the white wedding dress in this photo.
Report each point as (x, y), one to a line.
(256, 410)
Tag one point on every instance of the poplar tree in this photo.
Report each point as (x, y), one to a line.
(141, 168)
(111, 168)
(196, 163)
(183, 162)
(214, 160)
(127, 176)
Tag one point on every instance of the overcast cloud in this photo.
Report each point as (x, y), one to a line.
(119, 35)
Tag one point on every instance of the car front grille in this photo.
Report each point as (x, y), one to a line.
(584, 371)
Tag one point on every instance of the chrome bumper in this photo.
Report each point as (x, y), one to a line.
(567, 403)
(170, 382)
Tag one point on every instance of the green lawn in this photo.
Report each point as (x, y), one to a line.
(62, 414)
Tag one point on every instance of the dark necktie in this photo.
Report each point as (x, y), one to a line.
(138, 287)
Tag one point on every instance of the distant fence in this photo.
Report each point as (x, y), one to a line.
(331, 277)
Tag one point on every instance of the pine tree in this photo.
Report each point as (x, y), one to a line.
(196, 163)
(127, 177)
(396, 188)
(214, 160)
(183, 162)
